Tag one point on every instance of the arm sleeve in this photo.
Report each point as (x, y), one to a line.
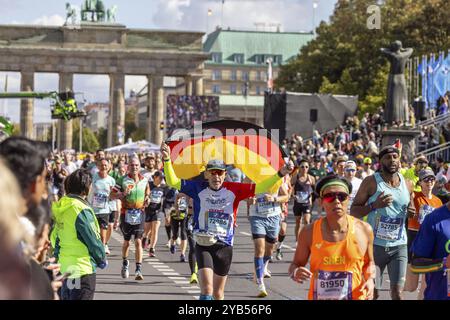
(89, 236)
(171, 178)
(265, 185)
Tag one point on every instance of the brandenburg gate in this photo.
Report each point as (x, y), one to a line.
(96, 48)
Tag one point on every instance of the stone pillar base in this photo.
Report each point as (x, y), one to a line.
(407, 139)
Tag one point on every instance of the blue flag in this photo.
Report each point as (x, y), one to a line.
(430, 69)
(440, 81)
(422, 71)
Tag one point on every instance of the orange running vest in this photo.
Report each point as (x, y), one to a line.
(336, 265)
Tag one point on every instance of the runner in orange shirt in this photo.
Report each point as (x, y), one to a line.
(424, 202)
(339, 247)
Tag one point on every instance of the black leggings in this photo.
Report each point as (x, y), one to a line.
(191, 255)
(178, 225)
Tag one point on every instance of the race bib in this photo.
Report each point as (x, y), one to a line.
(99, 200)
(218, 222)
(133, 216)
(389, 229)
(332, 285)
(182, 205)
(264, 207)
(156, 197)
(302, 197)
(424, 211)
(448, 282)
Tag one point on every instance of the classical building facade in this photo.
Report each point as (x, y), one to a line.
(236, 69)
(102, 48)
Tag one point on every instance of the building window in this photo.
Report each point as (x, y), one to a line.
(233, 75)
(216, 88)
(216, 57)
(278, 59)
(217, 75)
(259, 59)
(233, 89)
(244, 89)
(245, 75)
(258, 90)
(258, 76)
(239, 58)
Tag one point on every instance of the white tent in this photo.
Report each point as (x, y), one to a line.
(141, 146)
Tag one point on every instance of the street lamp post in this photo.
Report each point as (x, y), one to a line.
(315, 5)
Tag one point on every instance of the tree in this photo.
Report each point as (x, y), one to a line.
(345, 56)
(90, 142)
(102, 137)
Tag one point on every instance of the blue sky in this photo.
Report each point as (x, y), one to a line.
(292, 15)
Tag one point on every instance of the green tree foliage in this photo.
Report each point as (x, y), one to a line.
(345, 56)
(89, 143)
(102, 137)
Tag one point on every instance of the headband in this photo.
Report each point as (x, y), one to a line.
(388, 150)
(334, 183)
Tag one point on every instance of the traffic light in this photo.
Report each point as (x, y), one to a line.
(161, 125)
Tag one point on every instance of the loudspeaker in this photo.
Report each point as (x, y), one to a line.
(313, 115)
(420, 111)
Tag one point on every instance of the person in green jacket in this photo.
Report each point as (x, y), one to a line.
(76, 238)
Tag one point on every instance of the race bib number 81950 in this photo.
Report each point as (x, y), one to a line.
(333, 286)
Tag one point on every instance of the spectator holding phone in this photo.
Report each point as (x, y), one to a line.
(78, 245)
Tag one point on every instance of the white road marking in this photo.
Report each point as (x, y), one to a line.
(171, 273)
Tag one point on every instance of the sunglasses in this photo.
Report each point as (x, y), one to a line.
(217, 172)
(331, 197)
(422, 162)
(431, 179)
(304, 167)
(350, 170)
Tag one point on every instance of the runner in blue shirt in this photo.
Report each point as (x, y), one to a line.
(431, 250)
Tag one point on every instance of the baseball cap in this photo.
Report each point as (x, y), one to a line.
(367, 160)
(350, 165)
(216, 164)
(425, 174)
(150, 155)
(421, 158)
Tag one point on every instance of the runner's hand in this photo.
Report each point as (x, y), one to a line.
(165, 151)
(269, 198)
(369, 285)
(301, 274)
(383, 201)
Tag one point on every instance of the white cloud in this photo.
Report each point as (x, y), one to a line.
(53, 20)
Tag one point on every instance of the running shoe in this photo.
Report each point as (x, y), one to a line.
(151, 253)
(279, 255)
(267, 273)
(194, 278)
(107, 249)
(125, 273)
(168, 244)
(271, 259)
(182, 258)
(172, 249)
(262, 292)
(139, 275)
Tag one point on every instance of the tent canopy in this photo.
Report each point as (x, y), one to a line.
(141, 146)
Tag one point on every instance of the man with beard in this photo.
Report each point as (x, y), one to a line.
(386, 199)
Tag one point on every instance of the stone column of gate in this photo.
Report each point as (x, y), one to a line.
(157, 111)
(26, 105)
(198, 86)
(65, 128)
(149, 121)
(117, 110)
(188, 84)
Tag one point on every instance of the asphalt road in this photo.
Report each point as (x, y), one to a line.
(166, 278)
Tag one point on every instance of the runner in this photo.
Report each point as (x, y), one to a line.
(386, 199)
(424, 202)
(98, 197)
(134, 192)
(284, 215)
(412, 174)
(178, 222)
(339, 248)
(430, 253)
(190, 237)
(264, 211)
(215, 206)
(350, 172)
(154, 212)
(367, 171)
(168, 204)
(303, 190)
